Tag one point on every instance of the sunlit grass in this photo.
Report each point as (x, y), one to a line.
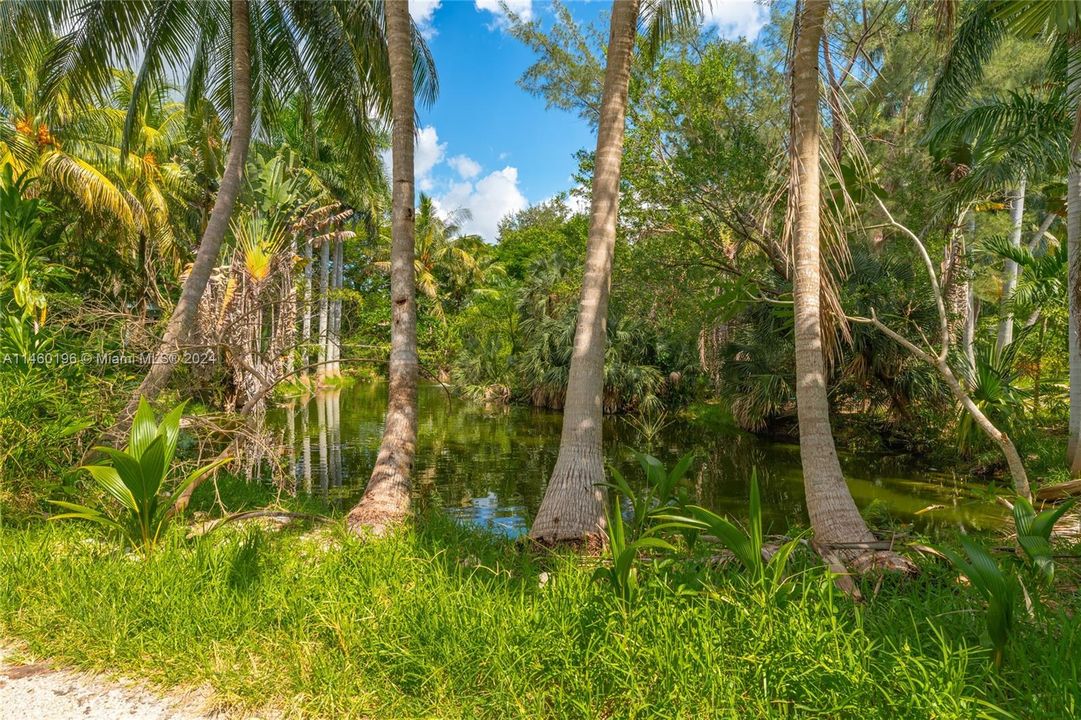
(445, 622)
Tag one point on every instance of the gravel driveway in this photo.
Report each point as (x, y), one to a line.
(38, 692)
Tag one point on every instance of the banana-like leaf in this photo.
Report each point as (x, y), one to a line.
(732, 537)
(755, 520)
(143, 430)
(109, 480)
(129, 470)
(169, 429)
(81, 512)
(1044, 523)
(153, 468)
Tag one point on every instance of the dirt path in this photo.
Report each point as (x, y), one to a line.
(38, 692)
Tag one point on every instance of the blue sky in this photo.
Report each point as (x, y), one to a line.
(486, 145)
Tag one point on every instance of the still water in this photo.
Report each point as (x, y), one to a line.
(488, 464)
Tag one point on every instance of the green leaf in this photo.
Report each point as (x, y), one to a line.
(170, 430)
(81, 512)
(1045, 522)
(152, 465)
(130, 472)
(143, 429)
(681, 468)
(109, 480)
(755, 515)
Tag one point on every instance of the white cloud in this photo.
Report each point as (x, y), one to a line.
(734, 19)
(578, 202)
(521, 8)
(466, 166)
(488, 201)
(423, 12)
(429, 151)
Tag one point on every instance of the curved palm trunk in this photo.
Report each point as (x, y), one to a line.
(833, 513)
(1005, 323)
(574, 502)
(1073, 246)
(386, 500)
(183, 317)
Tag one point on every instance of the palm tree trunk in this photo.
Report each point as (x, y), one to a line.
(336, 323)
(972, 303)
(1009, 281)
(573, 507)
(324, 308)
(306, 322)
(833, 513)
(183, 317)
(386, 499)
(1073, 247)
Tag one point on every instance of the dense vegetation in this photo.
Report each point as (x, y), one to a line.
(864, 224)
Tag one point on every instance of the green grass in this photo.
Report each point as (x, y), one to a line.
(449, 623)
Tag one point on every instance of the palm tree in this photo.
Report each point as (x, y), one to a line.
(573, 508)
(832, 510)
(184, 313)
(42, 136)
(386, 499)
(331, 55)
(443, 260)
(976, 40)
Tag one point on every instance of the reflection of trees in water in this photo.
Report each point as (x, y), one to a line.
(305, 469)
(265, 450)
(489, 464)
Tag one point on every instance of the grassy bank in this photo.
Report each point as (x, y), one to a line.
(444, 622)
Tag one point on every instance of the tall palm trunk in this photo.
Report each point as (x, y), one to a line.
(335, 348)
(324, 307)
(183, 317)
(833, 512)
(306, 321)
(1009, 281)
(972, 303)
(574, 502)
(1073, 247)
(386, 500)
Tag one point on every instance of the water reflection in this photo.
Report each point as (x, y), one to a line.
(488, 464)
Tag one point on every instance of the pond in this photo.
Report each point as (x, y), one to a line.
(488, 464)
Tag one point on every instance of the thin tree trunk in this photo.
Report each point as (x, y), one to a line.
(1009, 281)
(324, 308)
(306, 322)
(288, 314)
(1037, 245)
(183, 317)
(972, 303)
(336, 323)
(941, 363)
(1073, 248)
(833, 513)
(386, 500)
(573, 508)
(1037, 380)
